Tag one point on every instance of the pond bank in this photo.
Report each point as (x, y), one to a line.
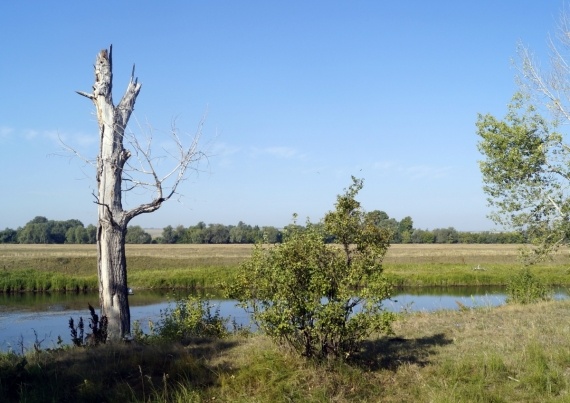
(73, 267)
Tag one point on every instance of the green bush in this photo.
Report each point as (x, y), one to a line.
(322, 299)
(525, 288)
(191, 317)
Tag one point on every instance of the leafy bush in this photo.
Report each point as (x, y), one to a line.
(321, 299)
(191, 317)
(525, 288)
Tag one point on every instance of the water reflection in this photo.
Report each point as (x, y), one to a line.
(45, 316)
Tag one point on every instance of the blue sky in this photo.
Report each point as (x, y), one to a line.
(298, 96)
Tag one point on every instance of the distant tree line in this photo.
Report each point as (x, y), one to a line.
(40, 230)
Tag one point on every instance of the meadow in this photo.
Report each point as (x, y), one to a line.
(73, 267)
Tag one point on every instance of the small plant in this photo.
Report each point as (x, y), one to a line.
(192, 317)
(98, 328)
(525, 288)
(76, 332)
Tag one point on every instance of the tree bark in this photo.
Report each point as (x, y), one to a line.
(112, 220)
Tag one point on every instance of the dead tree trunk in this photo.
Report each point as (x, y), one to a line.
(112, 219)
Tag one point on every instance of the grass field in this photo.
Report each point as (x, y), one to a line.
(71, 267)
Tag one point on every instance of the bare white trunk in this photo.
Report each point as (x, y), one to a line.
(112, 219)
(112, 269)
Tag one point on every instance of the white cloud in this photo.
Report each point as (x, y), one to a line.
(30, 134)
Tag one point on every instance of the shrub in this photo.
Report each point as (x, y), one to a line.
(321, 299)
(191, 317)
(525, 288)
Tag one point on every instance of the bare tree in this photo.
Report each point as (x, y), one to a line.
(549, 88)
(115, 175)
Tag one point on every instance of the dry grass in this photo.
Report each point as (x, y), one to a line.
(177, 251)
(461, 253)
(398, 253)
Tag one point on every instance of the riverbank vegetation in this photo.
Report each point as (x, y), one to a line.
(73, 267)
(483, 354)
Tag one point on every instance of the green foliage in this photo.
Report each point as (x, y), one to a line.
(525, 288)
(319, 298)
(191, 317)
(9, 236)
(135, 234)
(526, 171)
(40, 230)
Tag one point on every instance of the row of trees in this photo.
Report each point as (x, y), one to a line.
(40, 230)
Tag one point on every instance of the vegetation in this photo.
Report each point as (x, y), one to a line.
(40, 230)
(191, 317)
(526, 166)
(525, 288)
(320, 299)
(71, 267)
(98, 327)
(478, 355)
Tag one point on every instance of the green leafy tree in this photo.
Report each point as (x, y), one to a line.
(197, 234)
(271, 234)
(240, 233)
(526, 166)
(526, 171)
(405, 229)
(168, 235)
(423, 236)
(446, 235)
(322, 299)
(135, 234)
(217, 234)
(9, 235)
(35, 231)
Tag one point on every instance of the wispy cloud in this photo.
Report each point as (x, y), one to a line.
(421, 171)
(279, 152)
(5, 132)
(427, 172)
(75, 140)
(224, 150)
(223, 153)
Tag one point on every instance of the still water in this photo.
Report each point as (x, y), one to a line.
(27, 318)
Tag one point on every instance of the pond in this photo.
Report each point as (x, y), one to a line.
(42, 317)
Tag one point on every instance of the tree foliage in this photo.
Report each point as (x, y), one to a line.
(135, 234)
(202, 233)
(321, 299)
(526, 173)
(527, 158)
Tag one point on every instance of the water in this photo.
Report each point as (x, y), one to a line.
(28, 318)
